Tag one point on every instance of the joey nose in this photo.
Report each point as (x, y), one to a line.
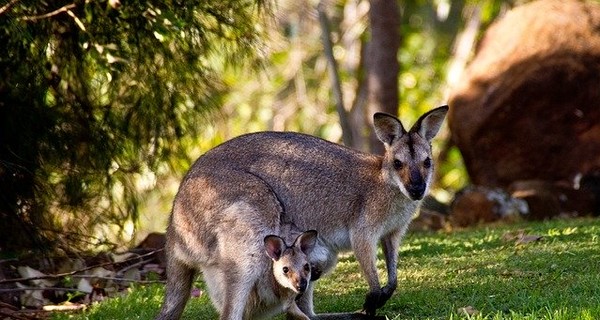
(302, 284)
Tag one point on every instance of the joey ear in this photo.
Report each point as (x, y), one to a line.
(306, 241)
(274, 246)
(387, 127)
(430, 123)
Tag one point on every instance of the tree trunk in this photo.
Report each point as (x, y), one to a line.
(336, 83)
(382, 63)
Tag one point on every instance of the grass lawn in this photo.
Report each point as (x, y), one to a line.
(442, 275)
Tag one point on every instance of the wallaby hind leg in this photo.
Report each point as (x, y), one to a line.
(237, 293)
(177, 291)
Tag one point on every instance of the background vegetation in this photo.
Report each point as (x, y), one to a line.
(98, 98)
(103, 104)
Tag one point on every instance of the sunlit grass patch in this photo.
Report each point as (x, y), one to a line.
(482, 273)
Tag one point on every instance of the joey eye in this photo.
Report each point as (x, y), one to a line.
(307, 267)
(286, 270)
(427, 163)
(398, 164)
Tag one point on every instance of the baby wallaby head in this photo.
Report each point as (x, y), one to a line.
(291, 267)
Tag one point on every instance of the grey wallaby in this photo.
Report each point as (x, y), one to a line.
(258, 184)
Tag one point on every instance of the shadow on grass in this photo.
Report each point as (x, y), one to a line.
(556, 278)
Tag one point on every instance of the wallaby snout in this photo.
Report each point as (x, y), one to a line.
(416, 185)
(416, 190)
(302, 285)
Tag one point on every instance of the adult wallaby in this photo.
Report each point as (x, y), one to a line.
(253, 185)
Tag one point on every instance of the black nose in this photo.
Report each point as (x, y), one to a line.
(416, 191)
(301, 287)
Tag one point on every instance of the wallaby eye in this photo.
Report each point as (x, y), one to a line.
(307, 267)
(286, 270)
(398, 164)
(427, 163)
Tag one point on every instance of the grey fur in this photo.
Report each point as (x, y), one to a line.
(273, 183)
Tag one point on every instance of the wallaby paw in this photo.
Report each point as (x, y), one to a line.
(377, 299)
(386, 294)
(371, 302)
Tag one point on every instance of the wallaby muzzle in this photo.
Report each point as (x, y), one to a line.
(302, 285)
(416, 192)
(416, 186)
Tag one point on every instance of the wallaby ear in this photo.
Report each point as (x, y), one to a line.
(430, 123)
(306, 241)
(274, 246)
(387, 127)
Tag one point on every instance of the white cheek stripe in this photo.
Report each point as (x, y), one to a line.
(400, 185)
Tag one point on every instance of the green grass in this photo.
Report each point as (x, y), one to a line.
(557, 277)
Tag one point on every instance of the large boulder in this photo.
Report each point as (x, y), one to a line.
(528, 107)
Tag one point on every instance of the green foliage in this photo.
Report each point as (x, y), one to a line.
(431, 33)
(439, 273)
(96, 99)
(293, 91)
(103, 104)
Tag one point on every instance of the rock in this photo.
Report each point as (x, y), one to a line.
(478, 204)
(547, 199)
(428, 220)
(154, 242)
(432, 215)
(528, 107)
(591, 183)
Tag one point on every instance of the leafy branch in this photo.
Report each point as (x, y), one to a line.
(74, 272)
(60, 10)
(334, 74)
(7, 6)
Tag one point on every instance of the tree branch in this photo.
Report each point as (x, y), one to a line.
(12, 315)
(60, 275)
(112, 279)
(77, 21)
(7, 6)
(334, 74)
(39, 289)
(49, 14)
(463, 47)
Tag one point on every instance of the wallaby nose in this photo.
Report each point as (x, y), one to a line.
(301, 287)
(416, 186)
(416, 191)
